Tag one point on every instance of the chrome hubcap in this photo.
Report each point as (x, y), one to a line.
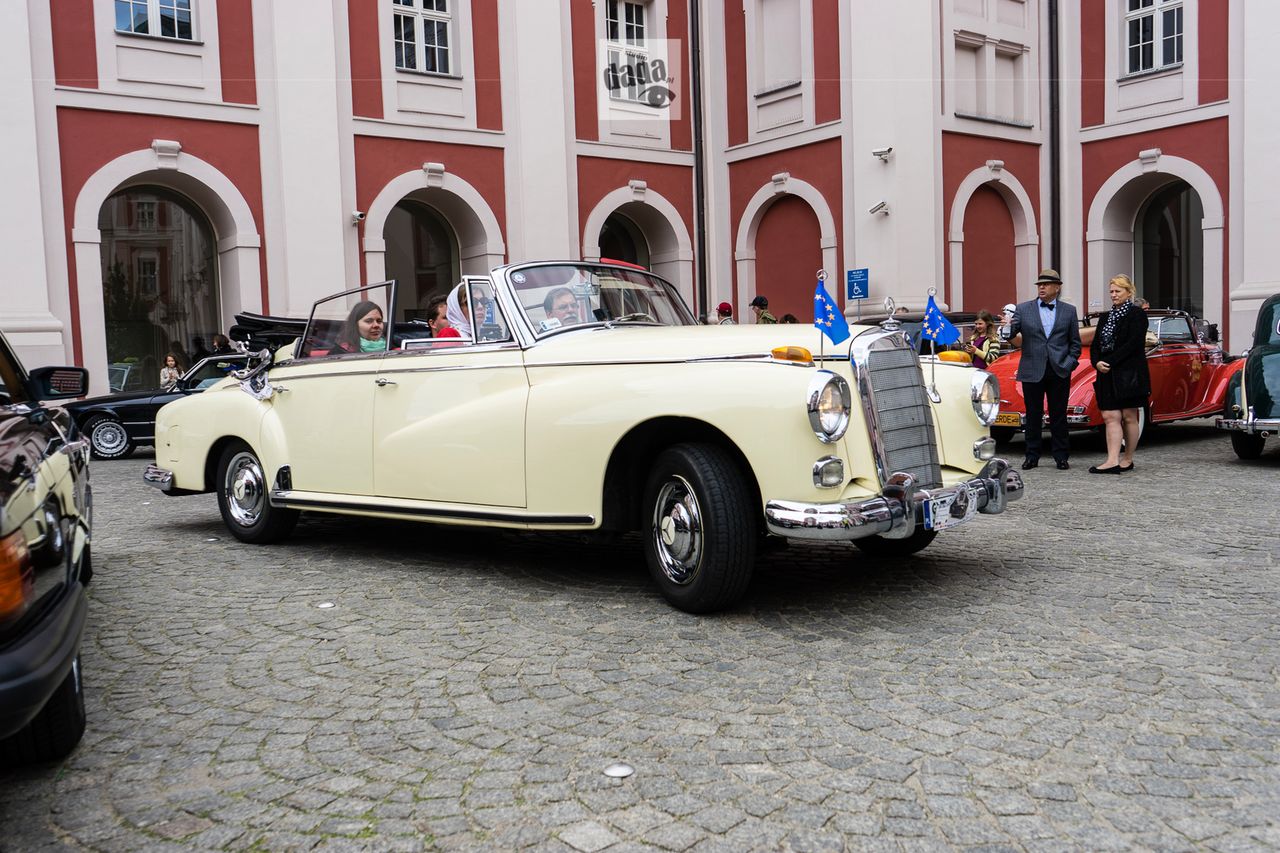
(677, 530)
(109, 437)
(244, 487)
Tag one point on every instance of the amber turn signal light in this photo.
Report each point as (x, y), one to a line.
(799, 355)
(15, 575)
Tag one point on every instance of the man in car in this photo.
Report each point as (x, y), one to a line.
(561, 304)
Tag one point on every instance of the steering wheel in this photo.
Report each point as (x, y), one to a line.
(638, 315)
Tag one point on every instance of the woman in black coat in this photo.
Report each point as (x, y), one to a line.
(1118, 353)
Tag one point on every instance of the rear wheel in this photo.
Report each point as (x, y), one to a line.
(108, 438)
(55, 731)
(878, 546)
(700, 540)
(243, 499)
(1247, 445)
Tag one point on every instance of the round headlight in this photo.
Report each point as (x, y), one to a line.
(828, 403)
(984, 391)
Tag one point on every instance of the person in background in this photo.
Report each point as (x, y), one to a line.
(760, 307)
(222, 345)
(1124, 381)
(437, 322)
(362, 331)
(984, 346)
(171, 372)
(1048, 331)
(789, 319)
(198, 350)
(458, 314)
(724, 311)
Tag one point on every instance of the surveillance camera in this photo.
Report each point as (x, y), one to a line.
(357, 216)
(879, 207)
(883, 153)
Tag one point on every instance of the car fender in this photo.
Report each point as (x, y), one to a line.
(191, 431)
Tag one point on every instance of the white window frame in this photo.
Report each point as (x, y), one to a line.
(1156, 11)
(423, 13)
(627, 37)
(154, 8)
(148, 284)
(144, 215)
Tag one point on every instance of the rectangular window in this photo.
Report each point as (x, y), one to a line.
(171, 19)
(421, 32)
(145, 215)
(1153, 35)
(624, 27)
(148, 275)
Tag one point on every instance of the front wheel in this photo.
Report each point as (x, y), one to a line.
(55, 731)
(700, 541)
(878, 546)
(1247, 445)
(243, 499)
(108, 438)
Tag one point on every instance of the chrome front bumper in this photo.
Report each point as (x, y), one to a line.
(897, 511)
(1260, 426)
(159, 478)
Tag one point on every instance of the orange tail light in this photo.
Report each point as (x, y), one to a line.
(16, 581)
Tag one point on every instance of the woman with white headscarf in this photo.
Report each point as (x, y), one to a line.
(458, 312)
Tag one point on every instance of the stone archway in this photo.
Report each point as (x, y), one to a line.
(163, 165)
(1113, 216)
(749, 227)
(1026, 242)
(480, 243)
(670, 249)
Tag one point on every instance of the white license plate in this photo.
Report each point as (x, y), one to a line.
(938, 513)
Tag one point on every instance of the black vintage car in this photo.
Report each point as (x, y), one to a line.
(45, 513)
(1252, 408)
(116, 423)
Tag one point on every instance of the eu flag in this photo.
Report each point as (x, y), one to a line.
(828, 317)
(937, 327)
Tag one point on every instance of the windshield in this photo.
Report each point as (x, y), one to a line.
(556, 297)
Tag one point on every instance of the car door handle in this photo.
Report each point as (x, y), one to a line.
(279, 389)
(380, 382)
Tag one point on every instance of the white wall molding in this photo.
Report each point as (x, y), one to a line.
(163, 164)
(782, 185)
(1026, 239)
(479, 236)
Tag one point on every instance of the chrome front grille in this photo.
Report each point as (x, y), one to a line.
(901, 420)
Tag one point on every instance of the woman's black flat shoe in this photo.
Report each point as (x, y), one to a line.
(1123, 469)
(1114, 469)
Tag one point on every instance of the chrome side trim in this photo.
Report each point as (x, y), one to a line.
(895, 513)
(413, 509)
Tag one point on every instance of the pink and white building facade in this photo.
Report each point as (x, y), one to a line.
(170, 163)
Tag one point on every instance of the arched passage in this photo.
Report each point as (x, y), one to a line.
(750, 278)
(990, 262)
(208, 189)
(1114, 219)
(656, 221)
(463, 208)
(1025, 246)
(788, 256)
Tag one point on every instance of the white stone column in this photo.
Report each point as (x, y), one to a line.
(540, 164)
(308, 223)
(1260, 169)
(25, 316)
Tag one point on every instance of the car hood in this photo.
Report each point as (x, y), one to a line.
(112, 399)
(635, 342)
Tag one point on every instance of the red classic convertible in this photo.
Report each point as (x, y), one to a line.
(1189, 376)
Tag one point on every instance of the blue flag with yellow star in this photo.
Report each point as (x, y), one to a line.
(828, 317)
(937, 327)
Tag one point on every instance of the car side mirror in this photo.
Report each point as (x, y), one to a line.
(59, 383)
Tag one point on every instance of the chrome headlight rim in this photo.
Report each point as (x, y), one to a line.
(984, 394)
(829, 425)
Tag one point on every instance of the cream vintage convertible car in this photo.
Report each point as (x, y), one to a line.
(586, 398)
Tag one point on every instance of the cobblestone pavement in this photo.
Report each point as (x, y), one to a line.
(1097, 670)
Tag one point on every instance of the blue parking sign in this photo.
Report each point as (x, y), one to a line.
(857, 284)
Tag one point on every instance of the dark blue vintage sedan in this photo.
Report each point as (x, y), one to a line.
(117, 423)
